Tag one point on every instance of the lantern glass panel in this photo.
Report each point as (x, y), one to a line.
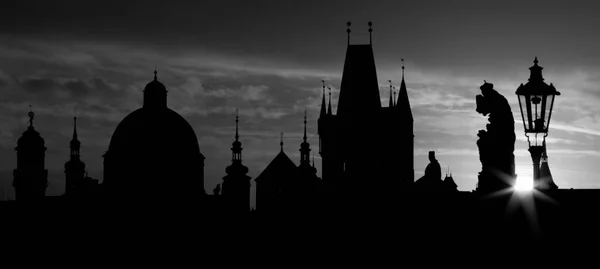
(548, 110)
(524, 114)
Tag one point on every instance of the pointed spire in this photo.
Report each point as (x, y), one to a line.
(30, 114)
(395, 102)
(75, 144)
(236, 124)
(281, 142)
(304, 125)
(403, 102)
(329, 110)
(74, 128)
(391, 89)
(155, 78)
(535, 61)
(370, 34)
(236, 148)
(323, 106)
(348, 31)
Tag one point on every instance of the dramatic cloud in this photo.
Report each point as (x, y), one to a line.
(267, 61)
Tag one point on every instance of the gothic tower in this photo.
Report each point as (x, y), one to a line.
(30, 177)
(74, 168)
(365, 143)
(236, 184)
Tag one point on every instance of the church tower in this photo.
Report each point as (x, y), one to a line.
(74, 168)
(236, 184)
(30, 177)
(307, 174)
(365, 143)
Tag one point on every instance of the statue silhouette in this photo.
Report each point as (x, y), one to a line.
(496, 143)
(432, 180)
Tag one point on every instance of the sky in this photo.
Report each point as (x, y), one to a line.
(92, 59)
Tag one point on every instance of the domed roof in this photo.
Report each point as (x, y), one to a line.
(155, 85)
(153, 128)
(30, 139)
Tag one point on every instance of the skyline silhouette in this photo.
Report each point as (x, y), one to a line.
(206, 87)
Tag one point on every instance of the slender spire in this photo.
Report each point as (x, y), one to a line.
(348, 31)
(30, 114)
(329, 110)
(395, 102)
(236, 124)
(155, 78)
(75, 144)
(370, 35)
(74, 128)
(391, 89)
(304, 125)
(323, 105)
(402, 102)
(281, 141)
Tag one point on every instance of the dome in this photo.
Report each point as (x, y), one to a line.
(154, 151)
(30, 139)
(156, 86)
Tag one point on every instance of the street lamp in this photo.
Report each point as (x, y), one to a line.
(536, 99)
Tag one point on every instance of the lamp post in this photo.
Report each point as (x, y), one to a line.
(536, 99)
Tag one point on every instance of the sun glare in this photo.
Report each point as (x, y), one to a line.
(524, 184)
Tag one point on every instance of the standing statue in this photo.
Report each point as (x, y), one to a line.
(496, 143)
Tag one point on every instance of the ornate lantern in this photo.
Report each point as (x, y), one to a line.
(536, 100)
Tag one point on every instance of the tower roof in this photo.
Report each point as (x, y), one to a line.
(30, 138)
(155, 94)
(403, 103)
(323, 108)
(359, 92)
(75, 144)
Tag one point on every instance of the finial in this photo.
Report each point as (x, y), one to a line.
(155, 78)
(370, 31)
(535, 61)
(281, 142)
(236, 125)
(30, 114)
(402, 68)
(305, 125)
(395, 101)
(348, 31)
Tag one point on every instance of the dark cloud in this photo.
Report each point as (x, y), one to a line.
(39, 85)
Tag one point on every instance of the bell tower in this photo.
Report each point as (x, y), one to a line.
(30, 177)
(74, 168)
